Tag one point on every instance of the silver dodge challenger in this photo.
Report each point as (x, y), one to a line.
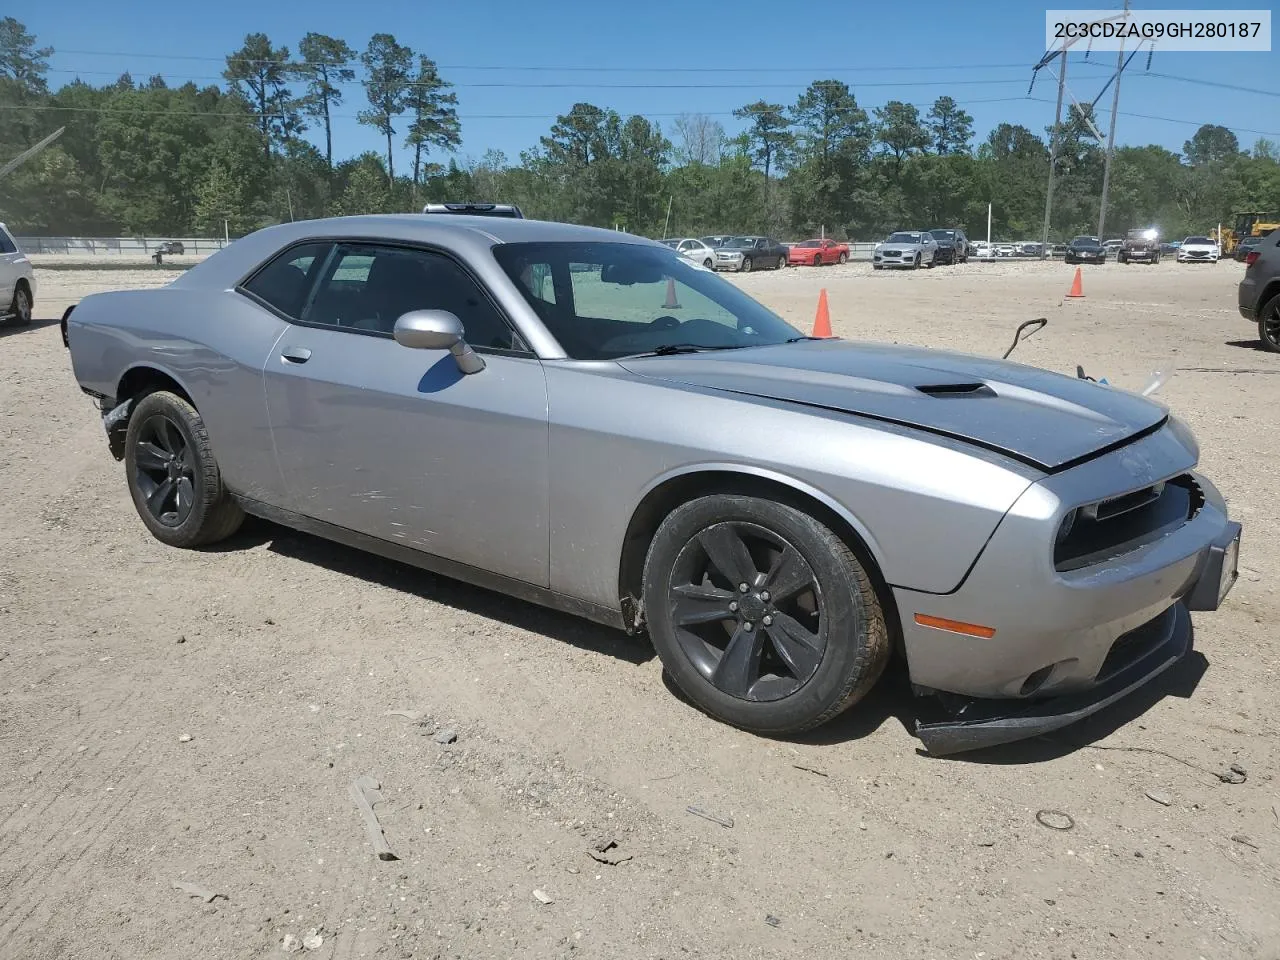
(589, 421)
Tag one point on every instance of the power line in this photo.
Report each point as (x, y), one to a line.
(127, 111)
(554, 116)
(593, 84)
(649, 68)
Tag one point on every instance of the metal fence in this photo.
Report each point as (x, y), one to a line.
(117, 246)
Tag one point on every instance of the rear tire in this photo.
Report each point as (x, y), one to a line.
(772, 664)
(844, 258)
(172, 475)
(1269, 324)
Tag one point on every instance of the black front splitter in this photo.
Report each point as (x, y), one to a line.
(976, 724)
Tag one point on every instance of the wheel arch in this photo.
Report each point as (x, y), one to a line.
(23, 283)
(137, 381)
(673, 489)
(1271, 289)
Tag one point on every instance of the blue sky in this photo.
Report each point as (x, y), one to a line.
(694, 57)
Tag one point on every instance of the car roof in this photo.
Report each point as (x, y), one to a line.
(464, 234)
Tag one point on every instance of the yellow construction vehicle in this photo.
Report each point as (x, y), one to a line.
(1246, 225)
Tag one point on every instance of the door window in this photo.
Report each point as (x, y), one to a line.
(283, 283)
(367, 288)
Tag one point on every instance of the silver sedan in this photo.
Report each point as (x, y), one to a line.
(587, 420)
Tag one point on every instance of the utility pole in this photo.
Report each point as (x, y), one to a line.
(1111, 139)
(1053, 152)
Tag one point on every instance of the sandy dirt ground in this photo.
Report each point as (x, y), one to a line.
(199, 716)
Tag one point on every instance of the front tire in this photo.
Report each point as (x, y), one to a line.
(844, 258)
(173, 478)
(746, 265)
(20, 307)
(1269, 324)
(916, 263)
(804, 641)
(708, 263)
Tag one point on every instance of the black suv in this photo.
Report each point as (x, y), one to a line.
(1259, 291)
(953, 246)
(476, 209)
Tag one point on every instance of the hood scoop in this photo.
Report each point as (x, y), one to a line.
(956, 390)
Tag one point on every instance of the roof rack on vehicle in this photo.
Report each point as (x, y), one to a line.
(476, 209)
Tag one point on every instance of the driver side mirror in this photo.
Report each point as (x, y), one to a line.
(437, 330)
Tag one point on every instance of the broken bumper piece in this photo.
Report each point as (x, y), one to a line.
(1136, 659)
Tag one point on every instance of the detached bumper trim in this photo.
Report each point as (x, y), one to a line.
(990, 723)
(1219, 573)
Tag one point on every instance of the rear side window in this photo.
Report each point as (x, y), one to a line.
(284, 282)
(6, 243)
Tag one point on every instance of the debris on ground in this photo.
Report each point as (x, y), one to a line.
(1235, 774)
(181, 639)
(1055, 819)
(810, 770)
(607, 852)
(542, 897)
(699, 812)
(447, 735)
(772, 921)
(413, 716)
(195, 890)
(364, 791)
(314, 938)
(1159, 797)
(185, 738)
(290, 944)
(1245, 841)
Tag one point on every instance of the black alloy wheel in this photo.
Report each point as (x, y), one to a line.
(748, 611)
(1269, 325)
(164, 470)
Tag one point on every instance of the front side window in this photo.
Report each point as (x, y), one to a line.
(615, 300)
(7, 243)
(368, 287)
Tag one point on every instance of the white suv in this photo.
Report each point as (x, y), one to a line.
(17, 281)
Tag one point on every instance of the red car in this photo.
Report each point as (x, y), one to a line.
(815, 253)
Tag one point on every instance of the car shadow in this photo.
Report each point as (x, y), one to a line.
(1251, 344)
(8, 328)
(425, 585)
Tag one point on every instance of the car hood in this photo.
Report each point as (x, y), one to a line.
(1038, 417)
(885, 247)
(1199, 247)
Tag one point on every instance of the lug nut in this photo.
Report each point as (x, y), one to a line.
(768, 621)
(733, 606)
(748, 626)
(743, 588)
(764, 595)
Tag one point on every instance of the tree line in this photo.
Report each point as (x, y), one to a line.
(141, 157)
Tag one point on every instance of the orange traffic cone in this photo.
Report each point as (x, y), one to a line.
(672, 303)
(1077, 288)
(822, 322)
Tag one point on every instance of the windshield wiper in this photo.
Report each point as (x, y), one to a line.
(668, 349)
(798, 339)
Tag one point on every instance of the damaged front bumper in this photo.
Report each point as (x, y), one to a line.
(1135, 659)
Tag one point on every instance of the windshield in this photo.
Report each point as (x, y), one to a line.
(741, 242)
(810, 243)
(1197, 240)
(714, 241)
(943, 234)
(1084, 242)
(605, 300)
(671, 243)
(903, 238)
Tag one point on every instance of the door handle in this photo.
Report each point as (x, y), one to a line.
(296, 354)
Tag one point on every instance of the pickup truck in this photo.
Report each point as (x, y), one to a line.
(815, 253)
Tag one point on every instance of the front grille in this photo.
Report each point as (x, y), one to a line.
(1107, 529)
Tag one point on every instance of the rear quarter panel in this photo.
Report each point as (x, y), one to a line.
(924, 508)
(214, 343)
